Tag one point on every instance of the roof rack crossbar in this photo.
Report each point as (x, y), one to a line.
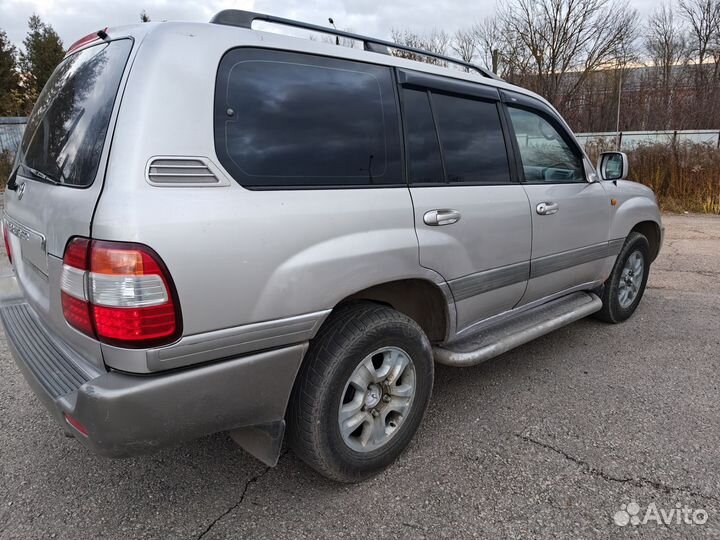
(245, 19)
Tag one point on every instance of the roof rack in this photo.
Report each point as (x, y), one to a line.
(245, 19)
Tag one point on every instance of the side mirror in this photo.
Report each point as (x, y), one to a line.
(613, 166)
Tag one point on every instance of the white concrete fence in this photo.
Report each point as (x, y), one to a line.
(628, 140)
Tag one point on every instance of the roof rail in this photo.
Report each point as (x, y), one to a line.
(245, 19)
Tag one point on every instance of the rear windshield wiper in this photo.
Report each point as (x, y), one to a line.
(40, 175)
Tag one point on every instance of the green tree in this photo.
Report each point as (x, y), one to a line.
(9, 78)
(43, 52)
(144, 17)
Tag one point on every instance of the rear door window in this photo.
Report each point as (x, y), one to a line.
(471, 137)
(64, 138)
(423, 150)
(294, 120)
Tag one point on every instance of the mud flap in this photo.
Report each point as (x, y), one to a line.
(263, 441)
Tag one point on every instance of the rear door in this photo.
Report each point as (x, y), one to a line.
(570, 215)
(57, 177)
(471, 215)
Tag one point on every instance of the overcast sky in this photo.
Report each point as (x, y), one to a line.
(73, 19)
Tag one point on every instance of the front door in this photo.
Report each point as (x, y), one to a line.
(471, 216)
(570, 215)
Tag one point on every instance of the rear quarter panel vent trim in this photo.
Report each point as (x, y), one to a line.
(183, 171)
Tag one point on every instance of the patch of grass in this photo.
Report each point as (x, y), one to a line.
(712, 205)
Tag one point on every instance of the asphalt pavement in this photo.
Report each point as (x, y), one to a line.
(588, 427)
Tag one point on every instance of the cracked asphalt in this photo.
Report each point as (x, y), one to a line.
(547, 441)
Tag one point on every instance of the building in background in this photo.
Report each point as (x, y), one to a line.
(11, 131)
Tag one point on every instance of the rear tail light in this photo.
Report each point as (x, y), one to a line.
(120, 293)
(7, 242)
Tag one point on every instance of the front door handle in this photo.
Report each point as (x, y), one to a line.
(441, 217)
(547, 208)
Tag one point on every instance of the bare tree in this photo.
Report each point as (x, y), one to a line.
(407, 38)
(703, 19)
(665, 41)
(703, 16)
(666, 47)
(567, 39)
(464, 43)
(585, 57)
(491, 43)
(436, 41)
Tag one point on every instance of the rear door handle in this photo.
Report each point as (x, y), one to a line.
(547, 208)
(441, 217)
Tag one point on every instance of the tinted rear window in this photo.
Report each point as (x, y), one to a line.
(424, 162)
(472, 140)
(64, 138)
(288, 119)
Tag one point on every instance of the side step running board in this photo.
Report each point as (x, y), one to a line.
(497, 339)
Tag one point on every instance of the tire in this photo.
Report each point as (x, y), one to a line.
(616, 308)
(328, 379)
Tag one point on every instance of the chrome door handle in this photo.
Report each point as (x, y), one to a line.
(547, 208)
(441, 217)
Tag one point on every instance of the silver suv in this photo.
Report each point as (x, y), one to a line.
(214, 228)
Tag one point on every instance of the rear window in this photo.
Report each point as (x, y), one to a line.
(64, 138)
(472, 142)
(294, 120)
(424, 160)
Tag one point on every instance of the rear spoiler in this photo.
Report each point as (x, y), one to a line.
(85, 40)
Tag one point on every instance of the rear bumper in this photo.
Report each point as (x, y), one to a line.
(128, 414)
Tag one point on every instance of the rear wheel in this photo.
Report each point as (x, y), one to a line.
(361, 393)
(625, 287)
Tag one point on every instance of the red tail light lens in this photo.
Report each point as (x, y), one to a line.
(77, 253)
(127, 324)
(94, 36)
(120, 293)
(77, 313)
(7, 242)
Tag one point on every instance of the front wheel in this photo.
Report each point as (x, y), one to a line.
(625, 287)
(361, 392)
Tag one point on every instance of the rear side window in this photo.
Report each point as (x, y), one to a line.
(64, 138)
(294, 120)
(472, 140)
(423, 150)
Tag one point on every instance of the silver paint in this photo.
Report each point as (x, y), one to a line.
(261, 270)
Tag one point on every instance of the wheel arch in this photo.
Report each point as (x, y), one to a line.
(637, 213)
(650, 230)
(420, 299)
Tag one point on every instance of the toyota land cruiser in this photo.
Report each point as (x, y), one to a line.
(214, 228)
